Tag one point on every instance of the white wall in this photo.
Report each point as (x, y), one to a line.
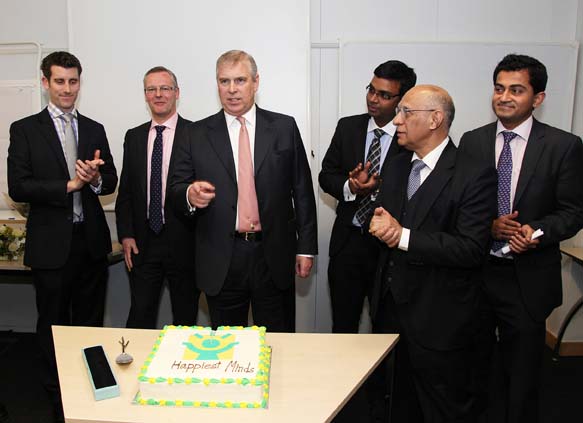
(328, 20)
(519, 21)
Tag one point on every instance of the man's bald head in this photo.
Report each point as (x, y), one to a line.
(426, 114)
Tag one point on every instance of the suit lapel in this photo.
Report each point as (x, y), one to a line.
(394, 150)
(359, 139)
(433, 185)
(264, 139)
(142, 157)
(395, 185)
(82, 139)
(534, 149)
(220, 142)
(489, 144)
(178, 134)
(52, 138)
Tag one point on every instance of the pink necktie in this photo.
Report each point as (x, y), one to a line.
(247, 198)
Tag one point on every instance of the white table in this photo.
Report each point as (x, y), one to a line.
(312, 377)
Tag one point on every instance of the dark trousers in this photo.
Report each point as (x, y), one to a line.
(147, 280)
(71, 295)
(429, 386)
(249, 282)
(513, 395)
(351, 274)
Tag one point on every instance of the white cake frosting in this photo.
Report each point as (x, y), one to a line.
(196, 366)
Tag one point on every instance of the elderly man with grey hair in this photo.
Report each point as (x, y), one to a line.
(433, 220)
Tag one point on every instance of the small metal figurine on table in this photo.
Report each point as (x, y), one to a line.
(124, 358)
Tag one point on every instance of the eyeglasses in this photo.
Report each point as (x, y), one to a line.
(382, 94)
(164, 89)
(407, 111)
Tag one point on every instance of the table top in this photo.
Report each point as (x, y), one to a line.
(17, 265)
(11, 216)
(573, 252)
(312, 377)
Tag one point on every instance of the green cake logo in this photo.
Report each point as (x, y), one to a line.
(209, 347)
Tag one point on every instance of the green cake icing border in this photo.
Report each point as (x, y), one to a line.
(261, 379)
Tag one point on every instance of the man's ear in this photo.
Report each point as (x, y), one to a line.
(538, 99)
(436, 119)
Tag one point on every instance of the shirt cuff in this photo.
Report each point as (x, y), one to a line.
(305, 255)
(348, 195)
(97, 189)
(190, 207)
(404, 241)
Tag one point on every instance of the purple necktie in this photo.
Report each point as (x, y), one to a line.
(504, 181)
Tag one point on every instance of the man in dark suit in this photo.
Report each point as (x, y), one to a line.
(157, 241)
(431, 218)
(256, 213)
(359, 139)
(540, 171)
(59, 162)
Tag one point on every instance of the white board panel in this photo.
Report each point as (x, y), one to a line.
(117, 42)
(465, 70)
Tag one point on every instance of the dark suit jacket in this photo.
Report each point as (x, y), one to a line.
(434, 283)
(345, 152)
(549, 196)
(38, 174)
(284, 192)
(131, 209)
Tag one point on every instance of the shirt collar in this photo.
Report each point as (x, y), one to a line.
(522, 130)
(55, 112)
(389, 128)
(170, 123)
(250, 117)
(433, 156)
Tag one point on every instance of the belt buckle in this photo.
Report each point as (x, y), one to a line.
(247, 236)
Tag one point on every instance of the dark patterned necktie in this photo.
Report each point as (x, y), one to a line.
(155, 210)
(414, 177)
(504, 181)
(374, 157)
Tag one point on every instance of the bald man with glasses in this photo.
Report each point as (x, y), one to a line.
(431, 221)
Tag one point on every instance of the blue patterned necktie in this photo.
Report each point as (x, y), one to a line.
(374, 157)
(155, 209)
(504, 181)
(414, 178)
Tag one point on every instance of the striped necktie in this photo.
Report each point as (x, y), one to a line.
(374, 157)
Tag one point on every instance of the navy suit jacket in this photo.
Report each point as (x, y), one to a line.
(345, 152)
(549, 196)
(284, 188)
(434, 284)
(132, 198)
(38, 175)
